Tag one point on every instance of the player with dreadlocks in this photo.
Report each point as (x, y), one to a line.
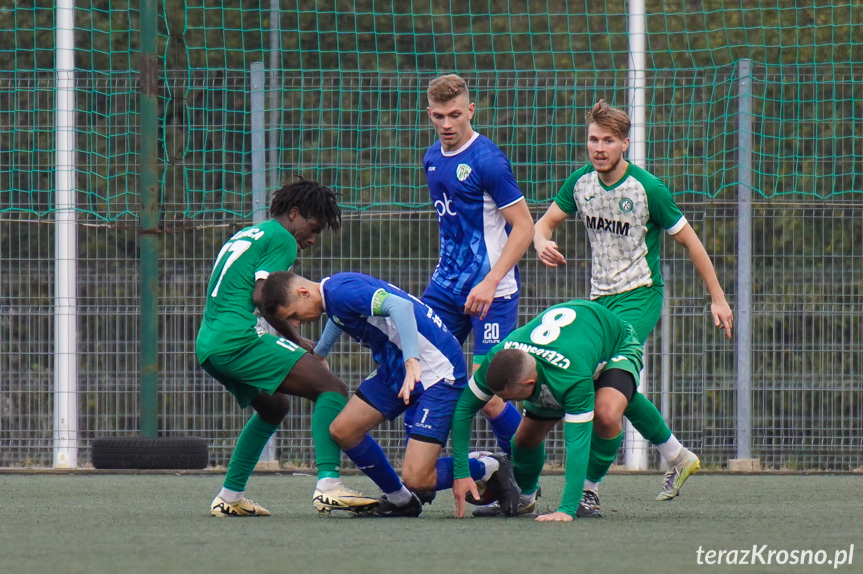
(261, 369)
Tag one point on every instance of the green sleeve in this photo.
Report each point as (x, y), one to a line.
(280, 253)
(660, 202)
(577, 436)
(565, 198)
(462, 428)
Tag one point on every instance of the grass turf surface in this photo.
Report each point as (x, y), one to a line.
(94, 524)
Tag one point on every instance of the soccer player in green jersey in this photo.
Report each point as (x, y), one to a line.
(261, 369)
(550, 363)
(625, 210)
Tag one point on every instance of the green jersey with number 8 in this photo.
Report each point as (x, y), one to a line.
(251, 254)
(572, 343)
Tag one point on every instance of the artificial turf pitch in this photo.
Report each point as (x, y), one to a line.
(159, 523)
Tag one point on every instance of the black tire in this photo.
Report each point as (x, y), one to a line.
(150, 453)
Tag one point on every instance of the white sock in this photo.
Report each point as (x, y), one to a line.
(670, 449)
(491, 466)
(230, 496)
(400, 497)
(590, 485)
(526, 499)
(327, 484)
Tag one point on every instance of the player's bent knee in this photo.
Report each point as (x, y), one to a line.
(326, 382)
(344, 434)
(526, 443)
(416, 478)
(330, 383)
(309, 378)
(273, 408)
(606, 417)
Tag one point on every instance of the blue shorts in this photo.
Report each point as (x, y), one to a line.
(498, 323)
(433, 407)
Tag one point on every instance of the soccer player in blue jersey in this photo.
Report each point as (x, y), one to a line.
(485, 228)
(262, 370)
(419, 363)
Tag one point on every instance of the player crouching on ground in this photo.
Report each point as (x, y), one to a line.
(263, 370)
(419, 363)
(550, 364)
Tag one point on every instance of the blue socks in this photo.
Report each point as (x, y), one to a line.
(444, 471)
(503, 426)
(370, 458)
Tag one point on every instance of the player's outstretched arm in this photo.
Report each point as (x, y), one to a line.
(577, 436)
(723, 318)
(401, 311)
(331, 335)
(462, 428)
(546, 249)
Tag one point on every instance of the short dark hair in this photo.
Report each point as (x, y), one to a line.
(508, 367)
(312, 200)
(274, 293)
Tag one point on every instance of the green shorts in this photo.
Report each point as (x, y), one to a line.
(640, 308)
(258, 367)
(583, 403)
(628, 356)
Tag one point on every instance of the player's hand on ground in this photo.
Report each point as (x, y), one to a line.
(460, 488)
(480, 298)
(554, 517)
(413, 373)
(548, 253)
(722, 316)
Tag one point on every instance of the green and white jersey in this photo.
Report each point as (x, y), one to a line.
(251, 254)
(572, 343)
(623, 222)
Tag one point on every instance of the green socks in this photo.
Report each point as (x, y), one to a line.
(647, 420)
(248, 451)
(327, 452)
(256, 433)
(602, 454)
(527, 465)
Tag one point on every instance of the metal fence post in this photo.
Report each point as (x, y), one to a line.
(259, 183)
(66, 254)
(743, 322)
(665, 351)
(275, 86)
(149, 221)
(635, 446)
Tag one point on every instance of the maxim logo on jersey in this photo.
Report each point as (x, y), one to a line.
(462, 171)
(601, 224)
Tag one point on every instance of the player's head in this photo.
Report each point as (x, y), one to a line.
(511, 375)
(607, 136)
(450, 110)
(306, 208)
(292, 298)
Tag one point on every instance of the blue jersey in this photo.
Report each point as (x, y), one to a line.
(468, 187)
(351, 301)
